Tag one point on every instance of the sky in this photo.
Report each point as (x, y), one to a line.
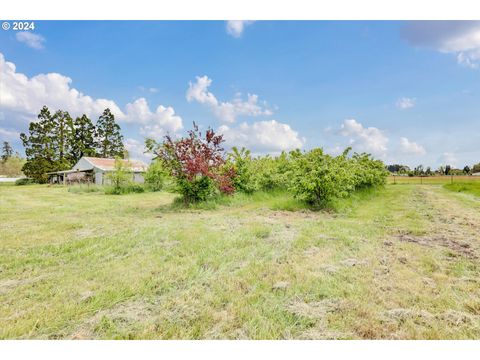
(406, 92)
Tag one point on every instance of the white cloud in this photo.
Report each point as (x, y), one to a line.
(410, 147)
(405, 103)
(461, 38)
(236, 27)
(448, 158)
(136, 150)
(23, 97)
(28, 95)
(225, 111)
(262, 136)
(6, 134)
(154, 124)
(371, 139)
(32, 40)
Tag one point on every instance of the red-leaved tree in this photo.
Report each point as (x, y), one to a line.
(197, 163)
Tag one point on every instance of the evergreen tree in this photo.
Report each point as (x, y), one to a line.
(82, 140)
(40, 147)
(448, 169)
(7, 151)
(109, 141)
(62, 135)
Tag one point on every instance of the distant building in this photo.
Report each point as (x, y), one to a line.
(476, 174)
(94, 170)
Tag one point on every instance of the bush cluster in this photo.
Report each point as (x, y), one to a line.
(201, 170)
(24, 181)
(313, 176)
(196, 163)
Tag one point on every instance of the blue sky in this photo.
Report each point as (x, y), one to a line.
(407, 92)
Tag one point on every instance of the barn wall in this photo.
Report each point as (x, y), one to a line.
(138, 178)
(98, 178)
(101, 179)
(82, 165)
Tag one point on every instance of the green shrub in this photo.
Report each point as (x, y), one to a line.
(367, 172)
(24, 181)
(125, 189)
(319, 178)
(120, 178)
(271, 173)
(155, 176)
(242, 163)
(201, 188)
(134, 187)
(85, 188)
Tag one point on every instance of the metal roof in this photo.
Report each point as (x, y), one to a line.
(109, 164)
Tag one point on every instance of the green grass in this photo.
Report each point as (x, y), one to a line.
(465, 187)
(260, 266)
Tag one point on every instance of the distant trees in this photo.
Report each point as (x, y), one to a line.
(398, 169)
(466, 170)
(11, 163)
(56, 142)
(7, 151)
(476, 168)
(419, 171)
(448, 169)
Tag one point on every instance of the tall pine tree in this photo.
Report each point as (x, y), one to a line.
(82, 141)
(7, 151)
(109, 139)
(40, 147)
(62, 136)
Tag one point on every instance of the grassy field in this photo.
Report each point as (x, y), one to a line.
(465, 187)
(433, 180)
(401, 263)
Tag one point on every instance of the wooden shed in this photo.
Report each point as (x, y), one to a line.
(94, 170)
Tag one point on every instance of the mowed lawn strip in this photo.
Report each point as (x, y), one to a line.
(398, 263)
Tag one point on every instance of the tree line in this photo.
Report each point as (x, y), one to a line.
(420, 170)
(57, 141)
(11, 162)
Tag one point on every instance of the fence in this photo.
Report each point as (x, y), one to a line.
(432, 180)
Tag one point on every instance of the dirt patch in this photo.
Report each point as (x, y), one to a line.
(11, 284)
(456, 318)
(353, 262)
(123, 315)
(425, 318)
(311, 251)
(281, 285)
(400, 316)
(329, 269)
(322, 334)
(459, 247)
(318, 312)
(315, 310)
